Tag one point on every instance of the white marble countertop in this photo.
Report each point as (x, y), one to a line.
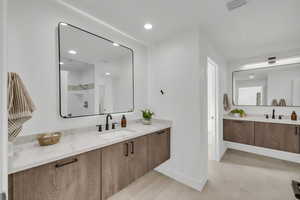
(29, 155)
(261, 118)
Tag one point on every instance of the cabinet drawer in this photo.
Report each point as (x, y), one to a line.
(238, 131)
(159, 148)
(283, 137)
(73, 178)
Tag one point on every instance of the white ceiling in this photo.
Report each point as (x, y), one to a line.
(261, 27)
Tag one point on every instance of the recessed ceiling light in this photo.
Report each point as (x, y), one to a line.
(116, 44)
(63, 24)
(72, 52)
(61, 63)
(148, 26)
(107, 73)
(251, 76)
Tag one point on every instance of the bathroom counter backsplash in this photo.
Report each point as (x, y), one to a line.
(262, 118)
(28, 153)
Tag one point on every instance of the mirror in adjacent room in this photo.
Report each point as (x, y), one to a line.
(270, 86)
(96, 74)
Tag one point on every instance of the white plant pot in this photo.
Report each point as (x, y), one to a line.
(237, 115)
(146, 122)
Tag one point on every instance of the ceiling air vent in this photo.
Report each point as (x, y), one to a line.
(272, 60)
(235, 4)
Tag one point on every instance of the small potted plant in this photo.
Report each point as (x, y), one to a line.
(147, 116)
(238, 113)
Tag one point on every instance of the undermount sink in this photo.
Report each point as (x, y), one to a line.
(117, 134)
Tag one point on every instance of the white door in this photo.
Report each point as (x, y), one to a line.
(3, 117)
(212, 108)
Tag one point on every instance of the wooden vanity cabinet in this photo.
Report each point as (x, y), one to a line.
(238, 131)
(94, 175)
(159, 148)
(138, 164)
(122, 164)
(74, 178)
(283, 137)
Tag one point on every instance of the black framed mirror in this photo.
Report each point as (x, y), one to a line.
(267, 86)
(96, 75)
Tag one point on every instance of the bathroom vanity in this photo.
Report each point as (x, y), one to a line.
(282, 135)
(90, 166)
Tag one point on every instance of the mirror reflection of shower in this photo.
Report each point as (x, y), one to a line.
(98, 78)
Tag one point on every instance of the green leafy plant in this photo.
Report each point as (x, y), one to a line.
(147, 114)
(238, 111)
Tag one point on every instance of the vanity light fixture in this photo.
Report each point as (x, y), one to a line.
(148, 26)
(279, 62)
(61, 63)
(116, 44)
(73, 52)
(63, 24)
(107, 74)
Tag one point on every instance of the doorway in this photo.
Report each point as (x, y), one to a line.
(3, 99)
(212, 102)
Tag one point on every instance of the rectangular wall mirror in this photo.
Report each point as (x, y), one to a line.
(96, 74)
(271, 86)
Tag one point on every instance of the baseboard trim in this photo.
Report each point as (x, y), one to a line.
(191, 182)
(223, 151)
(292, 157)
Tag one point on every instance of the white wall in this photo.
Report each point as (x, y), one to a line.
(178, 66)
(33, 54)
(3, 106)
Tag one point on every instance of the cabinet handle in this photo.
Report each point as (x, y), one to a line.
(66, 163)
(126, 150)
(132, 147)
(297, 130)
(238, 121)
(160, 132)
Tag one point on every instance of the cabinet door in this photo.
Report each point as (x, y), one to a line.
(159, 148)
(138, 163)
(115, 169)
(238, 131)
(79, 177)
(292, 140)
(34, 184)
(283, 137)
(73, 178)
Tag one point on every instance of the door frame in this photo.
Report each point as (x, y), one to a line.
(215, 140)
(3, 100)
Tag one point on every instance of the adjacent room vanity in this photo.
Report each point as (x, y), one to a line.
(282, 135)
(257, 90)
(90, 166)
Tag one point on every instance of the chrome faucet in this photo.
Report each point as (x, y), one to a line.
(108, 116)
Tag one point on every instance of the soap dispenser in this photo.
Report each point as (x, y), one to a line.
(294, 116)
(123, 122)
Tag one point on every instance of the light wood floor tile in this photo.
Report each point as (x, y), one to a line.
(238, 176)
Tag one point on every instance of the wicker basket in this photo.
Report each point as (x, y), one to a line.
(49, 138)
